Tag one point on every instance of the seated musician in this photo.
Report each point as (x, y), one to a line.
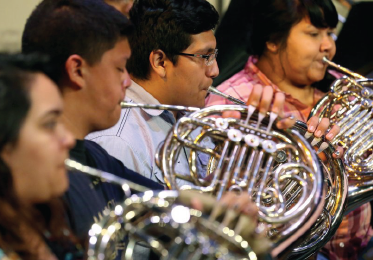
(88, 45)
(34, 145)
(289, 40)
(87, 42)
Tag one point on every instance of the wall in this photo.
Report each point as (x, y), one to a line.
(13, 15)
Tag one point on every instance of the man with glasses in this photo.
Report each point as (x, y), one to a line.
(173, 62)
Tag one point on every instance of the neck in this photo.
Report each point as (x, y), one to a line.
(74, 116)
(273, 69)
(156, 87)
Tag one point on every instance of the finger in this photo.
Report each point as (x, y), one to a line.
(255, 96)
(278, 104)
(338, 153)
(286, 122)
(312, 124)
(196, 204)
(266, 99)
(231, 114)
(333, 132)
(322, 127)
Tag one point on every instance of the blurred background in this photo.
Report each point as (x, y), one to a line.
(13, 15)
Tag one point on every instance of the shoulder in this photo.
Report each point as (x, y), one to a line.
(108, 163)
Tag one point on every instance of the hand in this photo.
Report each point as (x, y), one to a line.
(320, 127)
(265, 101)
(235, 211)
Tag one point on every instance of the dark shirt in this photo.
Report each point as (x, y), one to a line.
(88, 197)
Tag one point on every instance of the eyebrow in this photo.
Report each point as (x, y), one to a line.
(53, 112)
(205, 50)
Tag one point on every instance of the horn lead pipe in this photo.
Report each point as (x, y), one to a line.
(211, 89)
(214, 91)
(159, 107)
(342, 69)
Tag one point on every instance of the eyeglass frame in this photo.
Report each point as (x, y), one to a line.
(204, 56)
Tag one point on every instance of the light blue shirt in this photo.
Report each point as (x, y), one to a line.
(134, 140)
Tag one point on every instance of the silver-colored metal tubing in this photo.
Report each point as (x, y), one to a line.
(159, 107)
(343, 70)
(105, 176)
(214, 91)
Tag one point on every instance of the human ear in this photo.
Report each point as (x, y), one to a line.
(75, 66)
(158, 61)
(6, 154)
(272, 47)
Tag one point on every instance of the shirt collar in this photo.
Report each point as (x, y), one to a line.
(143, 97)
(250, 67)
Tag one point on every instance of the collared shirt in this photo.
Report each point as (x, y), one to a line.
(241, 84)
(135, 139)
(354, 232)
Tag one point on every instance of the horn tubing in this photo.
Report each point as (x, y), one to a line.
(159, 107)
(342, 69)
(214, 91)
(108, 177)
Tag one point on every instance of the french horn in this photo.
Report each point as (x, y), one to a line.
(165, 223)
(278, 168)
(349, 105)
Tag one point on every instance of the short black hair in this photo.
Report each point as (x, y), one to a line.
(273, 19)
(61, 28)
(166, 25)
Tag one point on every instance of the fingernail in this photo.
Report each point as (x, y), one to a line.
(330, 136)
(337, 153)
(318, 133)
(311, 128)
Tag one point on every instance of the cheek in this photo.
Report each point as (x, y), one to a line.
(41, 174)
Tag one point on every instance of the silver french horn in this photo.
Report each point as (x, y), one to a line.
(278, 168)
(165, 223)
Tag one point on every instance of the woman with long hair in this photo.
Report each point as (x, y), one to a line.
(34, 145)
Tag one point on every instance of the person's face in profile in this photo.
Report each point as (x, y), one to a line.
(191, 76)
(305, 47)
(107, 81)
(36, 160)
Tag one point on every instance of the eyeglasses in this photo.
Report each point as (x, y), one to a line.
(209, 58)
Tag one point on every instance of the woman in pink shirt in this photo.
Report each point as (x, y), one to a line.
(289, 40)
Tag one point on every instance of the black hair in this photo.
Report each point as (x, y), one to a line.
(166, 25)
(61, 28)
(273, 19)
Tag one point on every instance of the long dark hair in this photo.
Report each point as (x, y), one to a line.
(17, 74)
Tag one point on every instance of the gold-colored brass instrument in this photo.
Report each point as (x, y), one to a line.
(349, 105)
(165, 222)
(278, 168)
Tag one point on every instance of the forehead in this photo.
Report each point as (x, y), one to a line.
(120, 51)
(203, 42)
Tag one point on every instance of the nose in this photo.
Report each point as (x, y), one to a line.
(213, 70)
(327, 43)
(127, 80)
(66, 137)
